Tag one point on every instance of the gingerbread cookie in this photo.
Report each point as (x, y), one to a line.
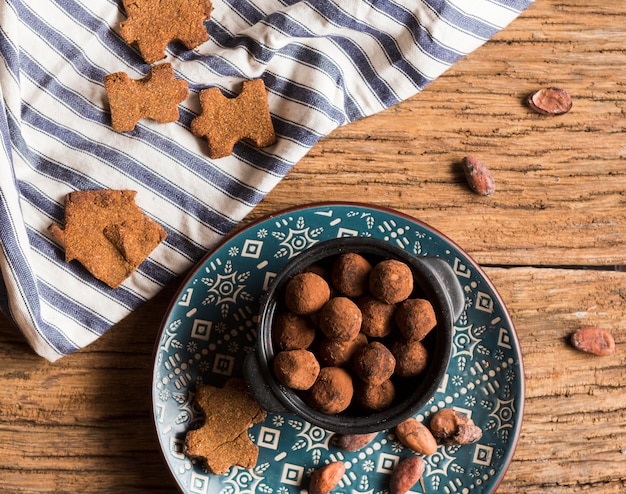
(156, 96)
(107, 233)
(223, 439)
(153, 24)
(224, 121)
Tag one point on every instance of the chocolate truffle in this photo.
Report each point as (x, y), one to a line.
(411, 357)
(391, 281)
(333, 390)
(374, 363)
(296, 369)
(350, 274)
(415, 318)
(375, 397)
(292, 331)
(338, 353)
(340, 319)
(378, 316)
(306, 293)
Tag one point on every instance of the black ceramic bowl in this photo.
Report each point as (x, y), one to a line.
(433, 279)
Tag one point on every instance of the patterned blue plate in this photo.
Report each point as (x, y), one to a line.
(211, 326)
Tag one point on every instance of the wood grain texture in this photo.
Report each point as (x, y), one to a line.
(560, 180)
(84, 423)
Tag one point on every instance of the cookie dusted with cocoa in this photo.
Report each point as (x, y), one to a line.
(411, 357)
(296, 369)
(333, 391)
(153, 24)
(292, 331)
(375, 397)
(374, 363)
(339, 353)
(378, 317)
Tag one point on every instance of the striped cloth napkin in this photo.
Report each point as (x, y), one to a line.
(325, 63)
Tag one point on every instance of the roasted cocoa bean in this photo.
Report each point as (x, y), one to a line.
(416, 436)
(478, 176)
(353, 442)
(594, 340)
(550, 101)
(451, 427)
(406, 473)
(326, 478)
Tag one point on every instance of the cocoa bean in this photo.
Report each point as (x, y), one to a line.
(326, 478)
(416, 436)
(406, 473)
(451, 427)
(550, 101)
(353, 442)
(594, 340)
(478, 176)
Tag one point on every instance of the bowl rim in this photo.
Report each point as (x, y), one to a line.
(429, 381)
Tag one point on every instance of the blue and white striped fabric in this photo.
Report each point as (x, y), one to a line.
(325, 63)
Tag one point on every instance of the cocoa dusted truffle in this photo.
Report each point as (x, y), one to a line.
(391, 281)
(340, 319)
(339, 353)
(378, 317)
(333, 390)
(374, 363)
(306, 293)
(350, 274)
(348, 333)
(375, 397)
(296, 369)
(415, 318)
(292, 331)
(411, 357)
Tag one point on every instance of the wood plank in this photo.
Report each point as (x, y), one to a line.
(561, 181)
(85, 421)
(574, 431)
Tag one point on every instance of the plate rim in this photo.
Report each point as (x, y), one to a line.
(312, 205)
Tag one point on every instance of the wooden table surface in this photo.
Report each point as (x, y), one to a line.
(550, 239)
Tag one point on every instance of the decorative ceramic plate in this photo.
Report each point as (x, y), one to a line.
(211, 326)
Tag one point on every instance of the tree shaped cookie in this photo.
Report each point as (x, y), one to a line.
(156, 96)
(224, 121)
(107, 233)
(223, 439)
(153, 24)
